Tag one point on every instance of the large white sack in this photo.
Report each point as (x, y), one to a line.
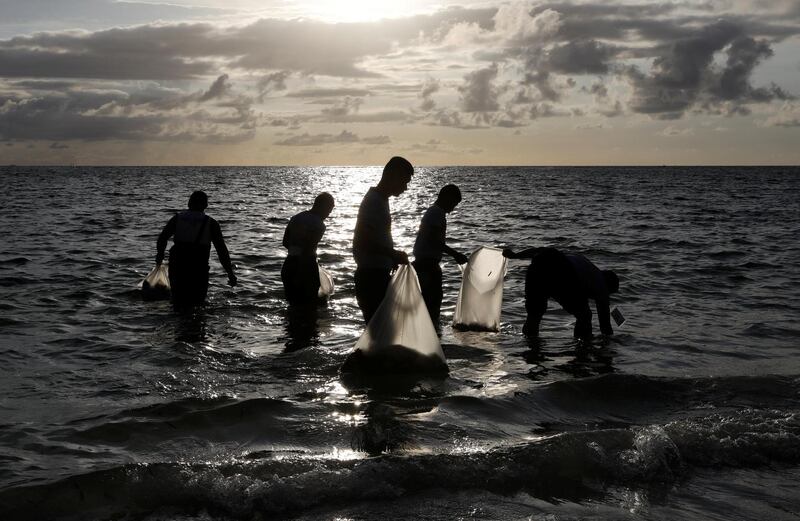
(400, 337)
(325, 282)
(481, 295)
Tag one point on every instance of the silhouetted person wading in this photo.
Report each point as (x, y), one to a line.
(373, 247)
(193, 232)
(300, 272)
(571, 280)
(430, 245)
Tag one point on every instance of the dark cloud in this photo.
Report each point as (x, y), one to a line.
(681, 40)
(734, 82)
(215, 115)
(344, 137)
(273, 82)
(430, 87)
(217, 89)
(147, 52)
(580, 57)
(685, 75)
(479, 93)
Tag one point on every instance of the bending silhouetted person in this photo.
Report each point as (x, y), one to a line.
(571, 280)
(430, 245)
(193, 232)
(300, 272)
(373, 247)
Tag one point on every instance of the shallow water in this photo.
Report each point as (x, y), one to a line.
(113, 406)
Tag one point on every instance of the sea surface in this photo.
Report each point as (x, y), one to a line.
(113, 407)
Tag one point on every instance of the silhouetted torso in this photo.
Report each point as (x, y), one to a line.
(300, 273)
(374, 219)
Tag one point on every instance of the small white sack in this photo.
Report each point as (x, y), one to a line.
(155, 285)
(480, 298)
(400, 337)
(325, 282)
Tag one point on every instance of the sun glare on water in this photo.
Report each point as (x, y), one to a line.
(361, 10)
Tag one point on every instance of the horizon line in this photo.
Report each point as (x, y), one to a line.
(599, 165)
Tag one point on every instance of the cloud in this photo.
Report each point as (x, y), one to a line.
(429, 88)
(207, 81)
(141, 53)
(515, 22)
(580, 57)
(348, 110)
(215, 115)
(99, 13)
(685, 76)
(545, 110)
(218, 89)
(671, 131)
(344, 137)
(348, 106)
(329, 93)
(158, 51)
(734, 82)
(788, 116)
(612, 111)
(478, 93)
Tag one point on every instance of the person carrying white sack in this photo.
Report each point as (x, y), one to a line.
(373, 247)
(430, 245)
(194, 232)
(300, 272)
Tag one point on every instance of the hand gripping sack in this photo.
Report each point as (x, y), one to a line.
(400, 337)
(155, 285)
(481, 295)
(325, 283)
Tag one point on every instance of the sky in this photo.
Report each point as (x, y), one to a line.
(338, 82)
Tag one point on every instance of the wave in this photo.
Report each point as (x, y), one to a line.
(570, 465)
(215, 420)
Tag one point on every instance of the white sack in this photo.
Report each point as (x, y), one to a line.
(155, 285)
(400, 337)
(481, 295)
(325, 282)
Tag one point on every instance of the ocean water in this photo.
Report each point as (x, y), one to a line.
(112, 407)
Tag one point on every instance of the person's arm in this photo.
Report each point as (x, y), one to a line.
(286, 237)
(163, 238)
(604, 315)
(222, 251)
(460, 258)
(524, 254)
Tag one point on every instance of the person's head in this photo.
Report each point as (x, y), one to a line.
(612, 281)
(323, 205)
(396, 175)
(449, 197)
(198, 201)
